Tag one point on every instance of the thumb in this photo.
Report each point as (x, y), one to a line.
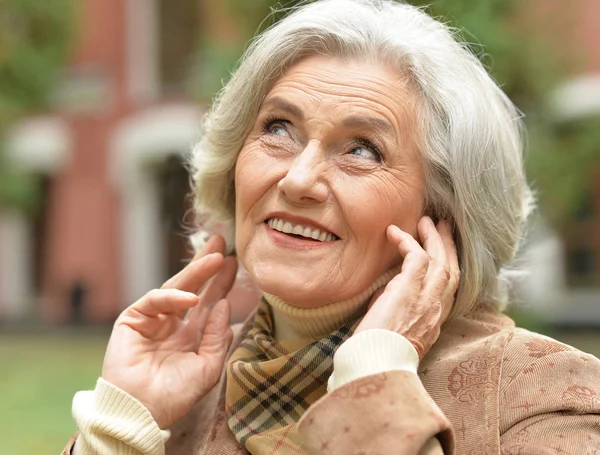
(377, 294)
(217, 334)
(213, 348)
(370, 320)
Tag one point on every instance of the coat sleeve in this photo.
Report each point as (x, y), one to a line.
(386, 413)
(377, 403)
(549, 399)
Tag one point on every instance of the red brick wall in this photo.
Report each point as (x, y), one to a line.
(82, 234)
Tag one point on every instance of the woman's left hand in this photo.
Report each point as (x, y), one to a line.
(418, 300)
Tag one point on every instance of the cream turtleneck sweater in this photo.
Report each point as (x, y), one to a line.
(294, 323)
(111, 421)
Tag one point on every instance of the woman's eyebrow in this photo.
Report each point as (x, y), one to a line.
(369, 122)
(284, 105)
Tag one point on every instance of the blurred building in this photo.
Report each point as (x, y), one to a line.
(564, 270)
(110, 159)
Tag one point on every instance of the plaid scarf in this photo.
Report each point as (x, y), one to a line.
(270, 384)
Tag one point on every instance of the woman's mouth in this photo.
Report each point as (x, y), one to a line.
(300, 230)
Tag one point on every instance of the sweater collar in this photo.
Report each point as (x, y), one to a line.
(295, 323)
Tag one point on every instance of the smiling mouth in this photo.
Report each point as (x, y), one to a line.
(300, 231)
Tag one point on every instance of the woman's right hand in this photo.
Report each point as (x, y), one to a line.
(165, 359)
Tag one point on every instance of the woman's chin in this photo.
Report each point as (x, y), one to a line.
(294, 293)
(300, 285)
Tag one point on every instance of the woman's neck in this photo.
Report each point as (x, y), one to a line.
(294, 323)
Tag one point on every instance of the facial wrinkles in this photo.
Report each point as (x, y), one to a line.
(314, 87)
(318, 92)
(325, 126)
(326, 98)
(354, 96)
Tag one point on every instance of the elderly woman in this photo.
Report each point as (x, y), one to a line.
(373, 173)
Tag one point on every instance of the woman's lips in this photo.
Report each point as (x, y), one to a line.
(293, 240)
(300, 229)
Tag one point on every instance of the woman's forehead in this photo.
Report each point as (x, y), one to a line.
(356, 93)
(342, 77)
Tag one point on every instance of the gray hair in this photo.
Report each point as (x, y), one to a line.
(469, 133)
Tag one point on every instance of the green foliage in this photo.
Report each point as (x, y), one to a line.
(257, 15)
(560, 157)
(34, 41)
(563, 161)
(19, 189)
(251, 17)
(217, 63)
(522, 63)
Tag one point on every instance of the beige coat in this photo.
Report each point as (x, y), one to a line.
(485, 387)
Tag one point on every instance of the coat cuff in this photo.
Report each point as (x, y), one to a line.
(371, 352)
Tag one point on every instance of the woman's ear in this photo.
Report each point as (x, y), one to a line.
(431, 213)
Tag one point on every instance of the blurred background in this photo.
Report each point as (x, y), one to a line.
(100, 102)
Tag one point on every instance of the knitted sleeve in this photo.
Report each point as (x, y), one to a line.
(111, 421)
(371, 352)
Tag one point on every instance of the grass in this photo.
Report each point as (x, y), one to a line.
(41, 373)
(39, 376)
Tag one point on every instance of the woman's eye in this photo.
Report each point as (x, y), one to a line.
(362, 151)
(277, 128)
(367, 151)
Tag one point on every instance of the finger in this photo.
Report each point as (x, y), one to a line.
(164, 301)
(196, 273)
(404, 288)
(447, 237)
(452, 253)
(415, 259)
(377, 294)
(218, 287)
(217, 333)
(216, 244)
(438, 274)
(214, 345)
(433, 243)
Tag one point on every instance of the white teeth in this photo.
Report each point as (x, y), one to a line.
(288, 228)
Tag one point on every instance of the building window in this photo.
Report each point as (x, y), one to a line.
(179, 32)
(581, 266)
(582, 242)
(583, 211)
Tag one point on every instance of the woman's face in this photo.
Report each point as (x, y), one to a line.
(329, 164)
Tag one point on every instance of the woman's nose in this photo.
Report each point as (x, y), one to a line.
(303, 182)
